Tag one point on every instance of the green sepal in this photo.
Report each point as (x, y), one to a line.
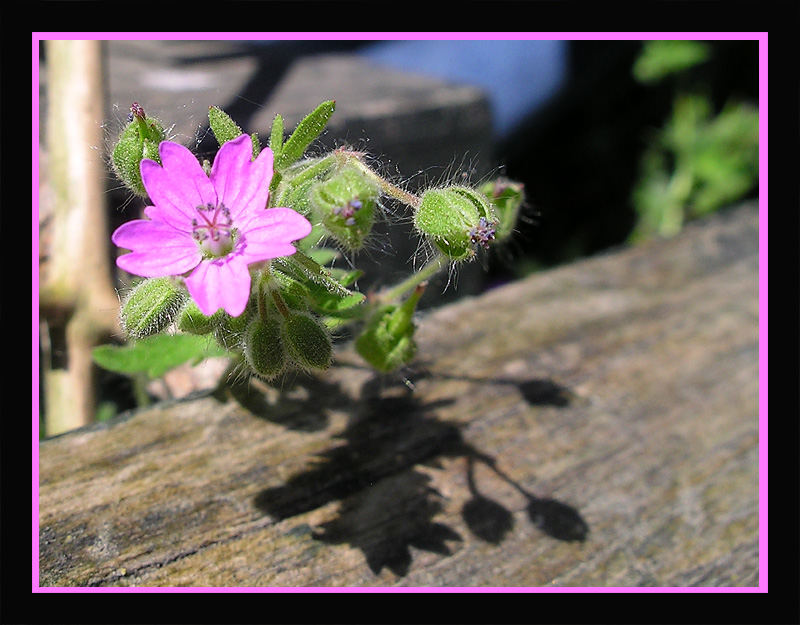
(299, 293)
(302, 268)
(296, 183)
(228, 330)
(192, 320)
(151, 306)
(309, 128)
(276, 145)
(294, 293)
(506, 197)
(307, 341)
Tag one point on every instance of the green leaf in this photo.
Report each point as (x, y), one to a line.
(323, 255)
(346, 277)
(276, 136)
(303, 268)
(225, 129)
(157, 354)
(307, 130)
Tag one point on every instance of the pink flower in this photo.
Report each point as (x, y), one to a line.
(213, 226)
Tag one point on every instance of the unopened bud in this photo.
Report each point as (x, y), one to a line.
(139, 140)
(456, 220)
(387, 342)
(345, 204)
(193, 321)
(263, 348)
(307, 341)
(229, 330)
(151, 306)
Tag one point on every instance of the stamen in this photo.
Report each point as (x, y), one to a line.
(213, 231)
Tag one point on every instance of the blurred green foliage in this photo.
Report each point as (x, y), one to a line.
(659, 59)
(698, 161)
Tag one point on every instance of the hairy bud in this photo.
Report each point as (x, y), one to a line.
(263, 348)
(139, 140)
(345, 205)
(151, 306)
(456, 220)
(307, 341)
(387, 341)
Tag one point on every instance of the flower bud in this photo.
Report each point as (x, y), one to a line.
(139, 140)
(151, 306)
(307, 341)
(229, 330)
(297, 181)
(345, 205)
(294, 294)
(387, 342)
(506, 198)
(192, 320)
(263, 348)
(456, 219)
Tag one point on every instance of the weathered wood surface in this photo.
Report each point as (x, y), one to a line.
(593, 425)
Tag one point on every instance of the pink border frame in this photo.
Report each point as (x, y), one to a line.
(761, 37)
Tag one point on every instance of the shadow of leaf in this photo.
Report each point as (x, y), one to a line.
(557, 519)
(487, 519)
(386, 505)
(386, 520)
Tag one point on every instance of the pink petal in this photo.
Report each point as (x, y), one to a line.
(242, 184)
(158, 249)
(171, 262)
(178, 186)
(145, 233)
(220, 283)
(269, 234)
(281, 224)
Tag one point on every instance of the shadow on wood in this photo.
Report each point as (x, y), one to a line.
(592, 425)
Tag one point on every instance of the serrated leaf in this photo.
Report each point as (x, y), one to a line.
(157, 354)
(309, 128)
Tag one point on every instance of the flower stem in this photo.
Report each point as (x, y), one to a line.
(396, 292)
(387, 187)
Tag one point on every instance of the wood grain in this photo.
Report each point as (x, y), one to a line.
(593, 425)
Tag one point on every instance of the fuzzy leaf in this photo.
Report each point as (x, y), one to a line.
(307, 130)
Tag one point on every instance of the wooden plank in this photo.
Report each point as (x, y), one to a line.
(596, 424)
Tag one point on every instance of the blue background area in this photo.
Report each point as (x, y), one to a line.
(519, 77)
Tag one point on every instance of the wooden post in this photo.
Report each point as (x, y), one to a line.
(77, 300)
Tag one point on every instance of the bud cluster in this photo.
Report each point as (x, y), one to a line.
(298, 301)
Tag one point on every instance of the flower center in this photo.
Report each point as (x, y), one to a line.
(213, 230)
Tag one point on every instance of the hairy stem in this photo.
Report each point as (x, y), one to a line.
(433, 267)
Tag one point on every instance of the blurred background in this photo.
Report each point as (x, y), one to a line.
(614, 141)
